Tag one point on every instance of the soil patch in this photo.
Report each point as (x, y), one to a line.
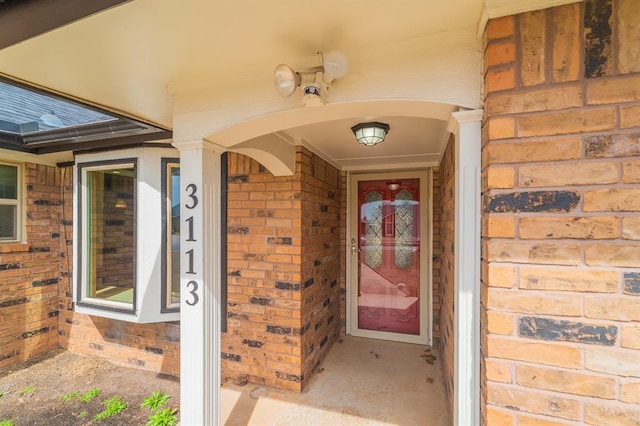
(32, 391)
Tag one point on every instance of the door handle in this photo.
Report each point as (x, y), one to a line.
(354, 249)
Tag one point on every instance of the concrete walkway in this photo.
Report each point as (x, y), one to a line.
(361, 382)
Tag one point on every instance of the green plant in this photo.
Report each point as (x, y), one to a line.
(6, 423)
(90, 395)
(113, 406)
(82, 415)
(166, 417)
(69, 396)
(155, 401)
(28, 390)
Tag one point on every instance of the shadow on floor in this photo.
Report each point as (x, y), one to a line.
(361, 382)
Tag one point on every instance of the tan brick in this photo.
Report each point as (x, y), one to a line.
(566, 122)
(500, 53)
(498, 371)
(530, 100)
(500, 323)
(566, 381)
(500, 79)
(599, 414)
(538, 352)
(501, 128)
(566, 174)
(619, 255)
(631, 171)
(630, 337)
(628, 36)
(532, 46)
(631, 228)
(582, 280)
(568, 227)
(566, 43)
(611, 91)
(534, 303)
(499, 226)
(531, 401)
(500, 27)
(497, 417)
(500, 177)
(541, 253)
(618, 308)
(630, 392)
(524, 420)
(612, 200)
(499, 275)
(629, 116)
(555, 149)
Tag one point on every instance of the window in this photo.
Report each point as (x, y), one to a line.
(126, 242)
(171, 234)
(10, 203)
(109, 234)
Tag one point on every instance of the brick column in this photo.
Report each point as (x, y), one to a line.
(199, 283)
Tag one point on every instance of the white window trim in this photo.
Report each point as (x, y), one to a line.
(148, 239)
(83, 298)
(167, 164)
(19, 203)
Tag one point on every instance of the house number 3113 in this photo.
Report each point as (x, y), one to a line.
(192, 286)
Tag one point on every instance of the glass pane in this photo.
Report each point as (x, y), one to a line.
(371, 218)
(173, 223)
(8, 182)
(110, 234)
(8, 222)
(404, 229)
(389, 272)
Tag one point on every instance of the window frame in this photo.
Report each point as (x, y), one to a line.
(166, 192)
(18, 202)
(83, 299)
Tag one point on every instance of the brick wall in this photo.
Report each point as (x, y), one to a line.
(561, 182)
(29, 272)
(446, 291)
(283, 270)
(154, 347)
(322, 255)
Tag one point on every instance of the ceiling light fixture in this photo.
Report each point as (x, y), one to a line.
(315, 82)
(370, 134)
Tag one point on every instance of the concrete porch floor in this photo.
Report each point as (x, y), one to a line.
(361, 382)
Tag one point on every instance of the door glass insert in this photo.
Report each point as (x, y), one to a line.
(389, 256)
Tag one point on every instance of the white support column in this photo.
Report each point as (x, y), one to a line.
(466, 125)
(199, 283)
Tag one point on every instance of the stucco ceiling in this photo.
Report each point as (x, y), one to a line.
(154, 59)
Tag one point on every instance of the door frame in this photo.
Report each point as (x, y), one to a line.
(426, 250)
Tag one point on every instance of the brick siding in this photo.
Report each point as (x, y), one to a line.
(446, 263)
(29, 272)
(284, 270)
(560, 216)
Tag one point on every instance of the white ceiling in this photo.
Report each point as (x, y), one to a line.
(141, 57)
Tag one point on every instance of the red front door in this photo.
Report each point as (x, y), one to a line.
(389, 256)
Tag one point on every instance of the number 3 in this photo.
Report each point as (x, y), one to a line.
(193, 188)
(193, 293)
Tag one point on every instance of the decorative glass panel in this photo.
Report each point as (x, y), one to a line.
(372, 217)
(404, 229)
